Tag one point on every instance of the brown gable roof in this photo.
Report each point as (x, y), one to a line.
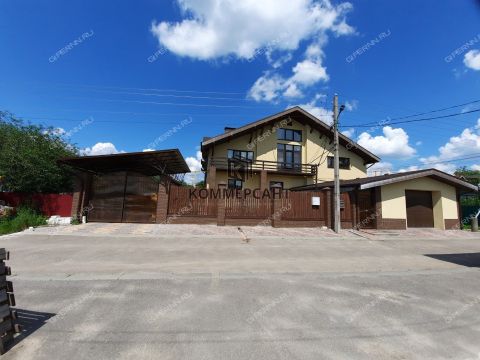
(302, 116)
(374, 181)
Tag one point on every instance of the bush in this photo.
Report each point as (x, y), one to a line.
(25, 218)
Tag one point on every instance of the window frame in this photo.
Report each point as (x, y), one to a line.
(235, 184)
(341, 166)
(289, 135)
(293, 151)
(249, 154)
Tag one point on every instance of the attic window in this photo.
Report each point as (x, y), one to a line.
(289, 135)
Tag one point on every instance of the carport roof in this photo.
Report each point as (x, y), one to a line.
(158, 162)
(374, 181)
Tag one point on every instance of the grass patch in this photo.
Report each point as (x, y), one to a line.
(24, 218)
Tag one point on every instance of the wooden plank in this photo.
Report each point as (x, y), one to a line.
(4, 311)
(6, 326)
(11, 299)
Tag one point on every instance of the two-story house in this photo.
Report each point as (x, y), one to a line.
(288, 149)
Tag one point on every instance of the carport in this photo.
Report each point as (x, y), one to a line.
(124, 187)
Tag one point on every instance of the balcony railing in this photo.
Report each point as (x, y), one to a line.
(270, 166)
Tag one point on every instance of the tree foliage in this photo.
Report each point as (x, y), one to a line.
(472, 176)
(28, 157)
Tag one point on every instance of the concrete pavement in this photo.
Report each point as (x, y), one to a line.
(224, 297)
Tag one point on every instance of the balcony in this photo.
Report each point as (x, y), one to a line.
(270, 166)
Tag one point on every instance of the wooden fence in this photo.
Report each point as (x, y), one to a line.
(48, 204)
(289, 209)
(180, 203)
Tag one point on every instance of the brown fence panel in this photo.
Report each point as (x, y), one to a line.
(180, 203)
(248, 207)
(140, 204)
(346, 209)
(107, 196)
(297, 205)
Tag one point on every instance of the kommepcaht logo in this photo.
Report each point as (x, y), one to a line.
(239, 169)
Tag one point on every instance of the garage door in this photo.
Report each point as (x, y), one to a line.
(419, 208)
(123, 197)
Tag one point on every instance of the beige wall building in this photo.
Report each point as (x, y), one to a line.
(289, 149)
(294, 150)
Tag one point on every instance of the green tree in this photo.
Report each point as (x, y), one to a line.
(472, 176)
(28, 157)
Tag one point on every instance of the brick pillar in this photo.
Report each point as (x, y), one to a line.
(211, 177)
(263, 180)
(328, 208)
(162, 203)
(378, 208)
(276, 210)
(221, 205)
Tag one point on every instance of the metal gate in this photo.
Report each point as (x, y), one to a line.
(123, 197)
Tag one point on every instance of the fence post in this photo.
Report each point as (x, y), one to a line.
(221, 204)
(328, 208)
(276, 216)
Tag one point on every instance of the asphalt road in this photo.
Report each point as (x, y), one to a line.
(139, 297)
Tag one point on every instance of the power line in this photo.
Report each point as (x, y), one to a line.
(415, 120)
(174, 96)
(424, 113)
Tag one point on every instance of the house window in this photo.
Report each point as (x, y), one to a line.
(276, 184)
(235, 184)
(240, 154)
(343, 163)
(289, 134)
(289, 156)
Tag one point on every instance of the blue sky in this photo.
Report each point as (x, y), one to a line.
(135, 70)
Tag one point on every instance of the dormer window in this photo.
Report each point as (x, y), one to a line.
(289, 135)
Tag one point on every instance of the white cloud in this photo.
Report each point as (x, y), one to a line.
(317, 110)
(380, 168)
(393, 143)
(101, 149)
(351, 105)
(267, 88)
(349, 132)
(145, 150)
(472, 59)
(217, 28)
(55, 131)
(467, 143)
(410, 168)
(271, 86)
(475, 167)
(195, 165)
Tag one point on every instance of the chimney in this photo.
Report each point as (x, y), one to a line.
(228, 129)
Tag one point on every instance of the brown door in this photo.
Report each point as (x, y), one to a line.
(106, 197)
(366, 210)
(123, 197)
(419, 208)
(140, 199)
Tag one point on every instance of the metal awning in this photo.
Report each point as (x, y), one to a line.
(161, 162)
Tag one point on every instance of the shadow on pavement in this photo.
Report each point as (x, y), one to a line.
(30, 321)
(465, 259)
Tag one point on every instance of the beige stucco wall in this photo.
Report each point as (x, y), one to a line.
(315, 149)
(443, 199)
(253, 182)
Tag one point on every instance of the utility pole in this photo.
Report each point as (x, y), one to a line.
(336, 170)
